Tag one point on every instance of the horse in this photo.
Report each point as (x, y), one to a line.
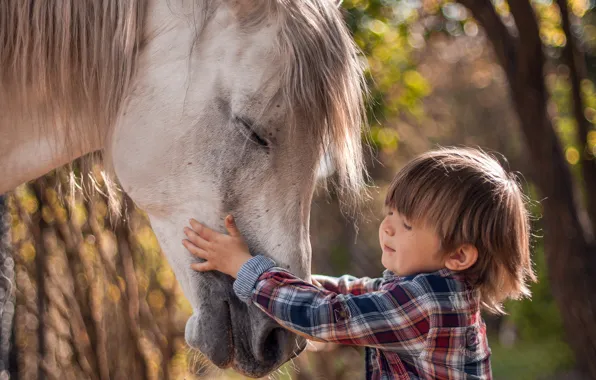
(200, 108)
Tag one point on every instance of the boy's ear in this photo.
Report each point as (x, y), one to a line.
(462, 258)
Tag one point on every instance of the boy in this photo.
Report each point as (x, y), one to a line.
(455, 238)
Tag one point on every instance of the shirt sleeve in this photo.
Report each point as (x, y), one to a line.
(348, 284)
(391, 317)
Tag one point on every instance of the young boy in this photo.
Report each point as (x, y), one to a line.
(455, 238)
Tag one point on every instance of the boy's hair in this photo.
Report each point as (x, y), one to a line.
(468, 198)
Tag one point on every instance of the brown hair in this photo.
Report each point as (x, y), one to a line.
(467, 196)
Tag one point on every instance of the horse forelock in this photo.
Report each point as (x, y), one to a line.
(323, 83)
(322, 80)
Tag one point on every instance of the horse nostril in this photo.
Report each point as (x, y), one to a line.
(270, 345)
(272, 348)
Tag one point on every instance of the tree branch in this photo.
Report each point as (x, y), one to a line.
(525, 73)
(504, 44)
(530, 99)
(38, 228)
(7, 285)
(578, 72)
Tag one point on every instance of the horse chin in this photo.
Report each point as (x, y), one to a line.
(214, 347)
(232, 334)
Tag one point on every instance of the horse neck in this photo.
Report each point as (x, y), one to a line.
(32, 144)
(57, 98)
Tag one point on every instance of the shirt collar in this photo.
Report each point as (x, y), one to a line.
(445, 272)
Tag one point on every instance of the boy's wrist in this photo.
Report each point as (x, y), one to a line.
(238, 263)
(248, 275)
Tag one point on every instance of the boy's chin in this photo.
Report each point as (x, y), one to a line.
(384, 263)
(400, 272)
(392, 268)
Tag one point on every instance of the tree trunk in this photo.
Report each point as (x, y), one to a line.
(578, 71)
(568, 231)
(82, 311)
(7, 364)
(38, 228)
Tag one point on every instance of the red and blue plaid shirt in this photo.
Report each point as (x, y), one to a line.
(425, 326)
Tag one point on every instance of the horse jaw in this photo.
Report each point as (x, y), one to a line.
(180, 151)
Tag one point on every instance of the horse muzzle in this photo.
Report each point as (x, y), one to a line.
(232, 334)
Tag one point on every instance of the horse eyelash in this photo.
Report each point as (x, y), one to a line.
(254, 136)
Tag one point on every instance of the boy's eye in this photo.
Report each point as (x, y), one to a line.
(407, 227)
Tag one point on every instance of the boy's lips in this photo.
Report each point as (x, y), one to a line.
(388, 249)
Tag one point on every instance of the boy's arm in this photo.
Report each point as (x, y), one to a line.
(389, 318)
(348, 284)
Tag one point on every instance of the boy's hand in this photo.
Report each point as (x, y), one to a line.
(224, 253)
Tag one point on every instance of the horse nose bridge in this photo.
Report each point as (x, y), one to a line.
(288, 244)
(296, 258)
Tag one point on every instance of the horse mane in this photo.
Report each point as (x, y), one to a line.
(78, 58)
(74, 57)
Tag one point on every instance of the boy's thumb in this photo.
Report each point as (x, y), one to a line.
(231, 226)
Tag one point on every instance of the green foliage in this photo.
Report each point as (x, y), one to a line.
(538, 318)
(541, 344)
(337, 259)
(528, 360)
(382, 31)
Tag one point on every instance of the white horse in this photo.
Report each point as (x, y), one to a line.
(202, 108)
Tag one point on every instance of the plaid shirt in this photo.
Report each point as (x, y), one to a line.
(426, 326)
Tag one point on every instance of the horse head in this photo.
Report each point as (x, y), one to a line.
(232, 107)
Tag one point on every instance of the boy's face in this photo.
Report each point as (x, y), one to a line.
(408, 248)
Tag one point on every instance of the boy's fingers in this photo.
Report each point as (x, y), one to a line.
(194, 250)
(196, 239)
(231, 226)
(202, 230)
(202, 267)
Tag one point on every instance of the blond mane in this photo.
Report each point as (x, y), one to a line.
(79, 57)
(323, 80)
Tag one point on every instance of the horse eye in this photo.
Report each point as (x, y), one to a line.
(254, 137)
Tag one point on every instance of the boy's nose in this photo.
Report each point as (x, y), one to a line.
(388, 229)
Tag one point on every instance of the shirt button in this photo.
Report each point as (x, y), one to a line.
(341, 314)
(472, 339)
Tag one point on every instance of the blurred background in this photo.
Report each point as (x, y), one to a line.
(95, 299)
